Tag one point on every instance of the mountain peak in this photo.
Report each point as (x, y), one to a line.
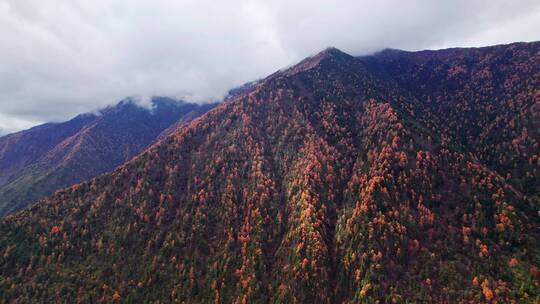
(332, 51)
(349, 181)
(327, 55)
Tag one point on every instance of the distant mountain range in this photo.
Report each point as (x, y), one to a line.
(401, 177)
(36, 162)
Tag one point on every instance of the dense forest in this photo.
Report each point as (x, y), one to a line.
(400, 177)
(35, 163)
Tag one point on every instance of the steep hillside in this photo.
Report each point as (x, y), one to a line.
(37, 162)
(486, 99)
(323, 184)
(23, 148)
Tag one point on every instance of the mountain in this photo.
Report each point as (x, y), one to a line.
(477, 98)
(36, 162)
(340, 180)
(243, 89)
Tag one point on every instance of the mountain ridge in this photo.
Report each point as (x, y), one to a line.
(324, 183)
(100, 142)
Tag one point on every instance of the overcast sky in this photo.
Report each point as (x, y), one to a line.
(60, 58)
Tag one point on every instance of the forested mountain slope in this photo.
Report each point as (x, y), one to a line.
(338, 180)
(36, 162)
(486, 99)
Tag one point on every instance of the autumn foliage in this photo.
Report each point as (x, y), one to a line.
(399, 177)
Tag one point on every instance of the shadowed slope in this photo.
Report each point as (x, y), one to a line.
(51, 157)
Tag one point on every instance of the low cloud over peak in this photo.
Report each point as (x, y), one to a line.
(59, 58)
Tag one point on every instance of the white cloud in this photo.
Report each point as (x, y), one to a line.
(10, 124)
(59, 58)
